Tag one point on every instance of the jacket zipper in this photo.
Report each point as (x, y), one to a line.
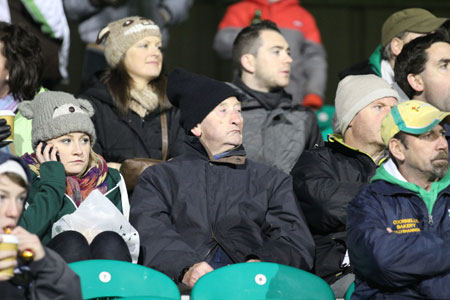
(213, 235)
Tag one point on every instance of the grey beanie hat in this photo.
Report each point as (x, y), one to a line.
(54, 114)
(356, 92)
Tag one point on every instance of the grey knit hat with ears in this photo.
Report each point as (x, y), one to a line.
(54, 114)
(120, 35)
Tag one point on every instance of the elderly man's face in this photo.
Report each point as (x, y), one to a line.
(427, 154)
(221, 129)
(436, 76)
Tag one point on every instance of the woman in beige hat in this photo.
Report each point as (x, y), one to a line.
(133, 117)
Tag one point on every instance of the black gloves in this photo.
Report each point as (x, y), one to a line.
(5, 131)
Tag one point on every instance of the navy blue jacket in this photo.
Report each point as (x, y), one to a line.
(413, 262)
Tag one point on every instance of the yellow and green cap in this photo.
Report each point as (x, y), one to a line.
(414, 117)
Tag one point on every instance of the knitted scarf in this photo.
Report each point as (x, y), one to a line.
(143, 102)
(79, 187)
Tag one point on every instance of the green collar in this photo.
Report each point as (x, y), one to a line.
(375, 60)
(429, 197)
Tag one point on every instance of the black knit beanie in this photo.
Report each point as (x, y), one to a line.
(196, 96)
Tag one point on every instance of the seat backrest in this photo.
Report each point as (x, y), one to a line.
(258, 281)
(112, 278)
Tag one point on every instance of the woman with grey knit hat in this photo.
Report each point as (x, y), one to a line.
(133, 118)
(65, 171)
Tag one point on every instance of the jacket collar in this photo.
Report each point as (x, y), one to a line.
(336, 141)
(269, 101)
(235, 156)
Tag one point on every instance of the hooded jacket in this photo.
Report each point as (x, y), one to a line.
(326, 179)
(189, 207)
(130, 136)
(309, 66)
(412, 261)
(266, 115)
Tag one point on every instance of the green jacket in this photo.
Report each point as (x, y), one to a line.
(47, 201)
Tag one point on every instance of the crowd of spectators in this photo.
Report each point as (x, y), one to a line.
(185, 174)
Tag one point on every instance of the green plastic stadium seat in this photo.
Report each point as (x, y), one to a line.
(118, 279)
(258, 281)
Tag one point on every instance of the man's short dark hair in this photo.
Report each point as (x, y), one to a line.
(247, 41)
(413, 58)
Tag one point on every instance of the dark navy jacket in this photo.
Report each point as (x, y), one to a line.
(185, 208)
(413, 262)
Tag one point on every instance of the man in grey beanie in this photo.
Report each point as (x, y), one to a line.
(327, 178)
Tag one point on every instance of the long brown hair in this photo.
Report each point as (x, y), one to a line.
(24, 60)
(118, 82)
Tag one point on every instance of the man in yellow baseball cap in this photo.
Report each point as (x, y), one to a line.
(397, 225)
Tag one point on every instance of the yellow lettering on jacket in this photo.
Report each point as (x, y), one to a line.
(402, 221)
(401, 231)
(406, 225)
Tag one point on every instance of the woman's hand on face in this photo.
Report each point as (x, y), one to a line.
(47, 154)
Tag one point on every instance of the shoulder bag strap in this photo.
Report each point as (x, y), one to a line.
(164, 135)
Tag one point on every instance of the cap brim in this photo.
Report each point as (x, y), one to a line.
(428, 25)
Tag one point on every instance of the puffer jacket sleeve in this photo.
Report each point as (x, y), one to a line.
(322, 195)
(315, 136)
(288, 239)
(45, 199)
(223, 41)
(162, 248)
(391, 260)
(232, 23)
(314, 64)
(54, 279)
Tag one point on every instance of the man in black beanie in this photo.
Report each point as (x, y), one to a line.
(211, 207)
